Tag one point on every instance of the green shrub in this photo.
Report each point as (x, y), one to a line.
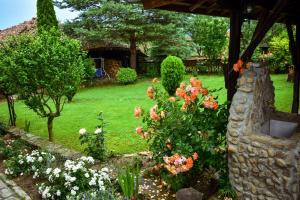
(126, 76)
(172, 73)
(187, 134)
(3, 128)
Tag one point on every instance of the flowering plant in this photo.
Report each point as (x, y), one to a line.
(33, 163)
(74, 178)
(94, 141)
(186, 132)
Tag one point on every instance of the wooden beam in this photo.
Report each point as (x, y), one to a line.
(197, 5)
(231, 76)
(295, 50)
(263, 28)
(150, 4)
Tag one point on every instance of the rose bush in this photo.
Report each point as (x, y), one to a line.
(186, 132)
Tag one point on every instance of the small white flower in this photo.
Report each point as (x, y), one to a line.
(40, 159)
(21, 162)
(82, 131)
(98, 130)
(73, 192)
(56, 172)
(58, 193)
(75, 188)
(48, 171)
(87, 175)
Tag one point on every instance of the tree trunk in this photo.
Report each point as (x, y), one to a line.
(133, 52)
(50, 128)
(11, 110)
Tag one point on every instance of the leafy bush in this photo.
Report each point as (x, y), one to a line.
(126, 76)
(172, 73)
(94, 141)
(186, 133)
(3, 128)
(11, 148)
(280, 57)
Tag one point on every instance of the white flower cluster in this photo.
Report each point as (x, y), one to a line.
(29, 163)
(75, 177)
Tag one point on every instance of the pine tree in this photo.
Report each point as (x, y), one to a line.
(46, 17)
(121, 22)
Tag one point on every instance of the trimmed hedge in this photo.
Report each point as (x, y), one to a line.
(126, 76)
(172, 73)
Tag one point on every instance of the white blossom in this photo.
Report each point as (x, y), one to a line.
(82, 131)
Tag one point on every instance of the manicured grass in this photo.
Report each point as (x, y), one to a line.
(117, 103)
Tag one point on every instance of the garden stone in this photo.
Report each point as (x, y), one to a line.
(188, 194)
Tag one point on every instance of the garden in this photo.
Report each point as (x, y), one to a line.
(160, 134)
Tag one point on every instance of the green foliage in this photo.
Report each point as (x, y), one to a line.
(210, 35)
(177, 128)
(48, 68)
(280, 57)
(46, 18)
(118, 21)
(172, 73)
(128, 181)
(3, 128)
(27, 126)
(126, 76)
(94, 142)
(89, 70)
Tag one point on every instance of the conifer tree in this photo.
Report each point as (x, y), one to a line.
(46, 17)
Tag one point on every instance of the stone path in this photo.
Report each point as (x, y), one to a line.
(10, 191)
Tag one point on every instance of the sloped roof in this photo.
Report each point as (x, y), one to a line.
(26, 26)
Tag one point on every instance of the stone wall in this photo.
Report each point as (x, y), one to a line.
(261, 167)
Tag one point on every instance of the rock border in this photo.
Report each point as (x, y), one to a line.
(14, 187)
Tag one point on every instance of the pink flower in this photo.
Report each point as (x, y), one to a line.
(153, 115)
(137, 112)
(139, 131)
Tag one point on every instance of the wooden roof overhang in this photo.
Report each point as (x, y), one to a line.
(223, 8)
(266, 12)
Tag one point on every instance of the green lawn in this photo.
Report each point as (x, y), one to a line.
(117, 104)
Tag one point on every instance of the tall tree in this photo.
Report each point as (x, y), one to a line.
(210, 36)
(46, 17)
(120, 21)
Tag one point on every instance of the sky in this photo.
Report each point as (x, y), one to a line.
(13, 12)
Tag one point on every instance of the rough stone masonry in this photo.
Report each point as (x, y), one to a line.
(261, 167)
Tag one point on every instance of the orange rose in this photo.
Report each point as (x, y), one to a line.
(137, 112)
(180, 92)
(182, 85)
(195, 156)
(155, 80)
(150, 92)
(172, 99)
(204, 91)
(153, 115)
(189, 162)
(139, 131)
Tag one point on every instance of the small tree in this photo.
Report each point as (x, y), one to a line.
(51, 67)
(46, 18)
(9, 52)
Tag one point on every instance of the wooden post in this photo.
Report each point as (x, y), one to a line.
(234, 52)
(295, 50)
